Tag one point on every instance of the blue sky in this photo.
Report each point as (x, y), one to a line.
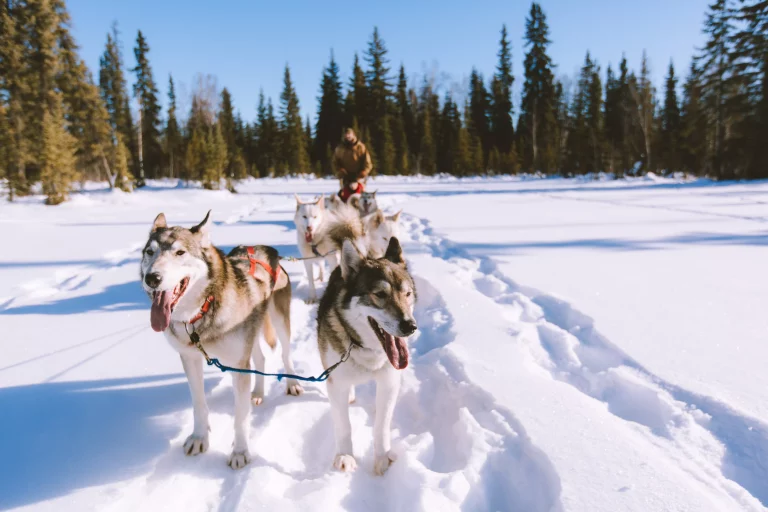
(246, 44)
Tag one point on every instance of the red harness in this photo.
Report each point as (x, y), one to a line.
(274, 273)
(345, 193)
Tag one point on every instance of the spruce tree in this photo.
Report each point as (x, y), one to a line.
(330, 116)
(428, 151)
(501, 93)
(14, 84)
(670, 124)
(57, 153)
(479, 110)
(713, 63)
(294, 149)
(403, 124)
(376, 117)
(612, 121)
(693, 132)
(145, 90)
(114, 93)
(585, 139)
(537, 114)
(228, 133)
(173, 139)
(356, 102)
(643, 94)
(123, 178)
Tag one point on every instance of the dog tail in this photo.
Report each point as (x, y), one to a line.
(269, 332)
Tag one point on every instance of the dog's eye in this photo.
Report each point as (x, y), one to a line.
(150, 252)
(385, 239)
(305, 216)
(180, 253)
(408, 294)
(381, 294)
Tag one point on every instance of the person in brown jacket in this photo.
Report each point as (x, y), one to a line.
(352, 164)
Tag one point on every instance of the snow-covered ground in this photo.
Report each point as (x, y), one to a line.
(584, 345)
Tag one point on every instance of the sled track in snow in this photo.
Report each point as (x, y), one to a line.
(710, 440)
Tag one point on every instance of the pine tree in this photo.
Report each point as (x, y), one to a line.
(294, 151)
(643, 94)
(57, 154)
(308, 138)
(403, 123)
(501, 93)
(114, 93)
(537, 114)
(714, 65)
(227, 130)
(145, 90)
(612, 120)
(15, 88)
(330, 116)
(268, 138)
(479, 109)
(356, 102)
(585, 139)
(123, 177)
(173, 139)
(670, 125)
(693, 132)
(378, 107)
(428, 154)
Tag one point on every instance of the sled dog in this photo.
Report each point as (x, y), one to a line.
(379, 230)
(365, 203)
(320, 232)
(368, 305)
(226, 300)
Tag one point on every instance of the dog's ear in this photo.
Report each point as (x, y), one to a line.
(374, 193)
(350, 260)
(321, 202)
(354, 201)
(203, 229)
(160, 223)
(394, 252)
(395, 217)
(298, 201)
(377, 219)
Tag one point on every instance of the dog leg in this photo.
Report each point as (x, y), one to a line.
(257, 395)
(387, 389)
(196, 443)
(241, 384)
(311, 280)
(281, 321)
(338, 394)
(320, 276)
(351, 394)
(332, 260)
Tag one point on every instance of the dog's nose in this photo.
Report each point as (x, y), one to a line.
(153, 279)
(408, 327)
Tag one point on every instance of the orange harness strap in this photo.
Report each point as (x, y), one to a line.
(274, 273)
(203, 310)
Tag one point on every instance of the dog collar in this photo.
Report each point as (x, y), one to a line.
(203, 310)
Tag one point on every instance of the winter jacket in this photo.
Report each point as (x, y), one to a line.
(352, 162)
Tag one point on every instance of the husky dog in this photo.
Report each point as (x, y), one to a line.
(228, 301)
(379, 229)
(365, 203)
(369, 305)
(320, 232)
(332, 202)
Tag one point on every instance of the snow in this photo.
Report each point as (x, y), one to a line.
(585, 345)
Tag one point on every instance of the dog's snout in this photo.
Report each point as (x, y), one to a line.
(153, 279)
(408, 327)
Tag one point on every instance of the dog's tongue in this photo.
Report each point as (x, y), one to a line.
(397, 351)
(160, 315)
(308, 236)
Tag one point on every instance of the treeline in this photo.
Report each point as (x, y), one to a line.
(57, 125)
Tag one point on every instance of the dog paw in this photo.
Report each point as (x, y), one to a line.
(238, 460)
(195, 445)
(345, 463)
(294, 388)
(382, 462)
(257, 400)
(352, 395)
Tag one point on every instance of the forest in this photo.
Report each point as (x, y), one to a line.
(60, 125)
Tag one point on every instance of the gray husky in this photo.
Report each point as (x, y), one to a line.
(367, 312)
(228, 302)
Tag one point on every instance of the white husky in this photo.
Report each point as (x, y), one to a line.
(320, 233)
(379, 230)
